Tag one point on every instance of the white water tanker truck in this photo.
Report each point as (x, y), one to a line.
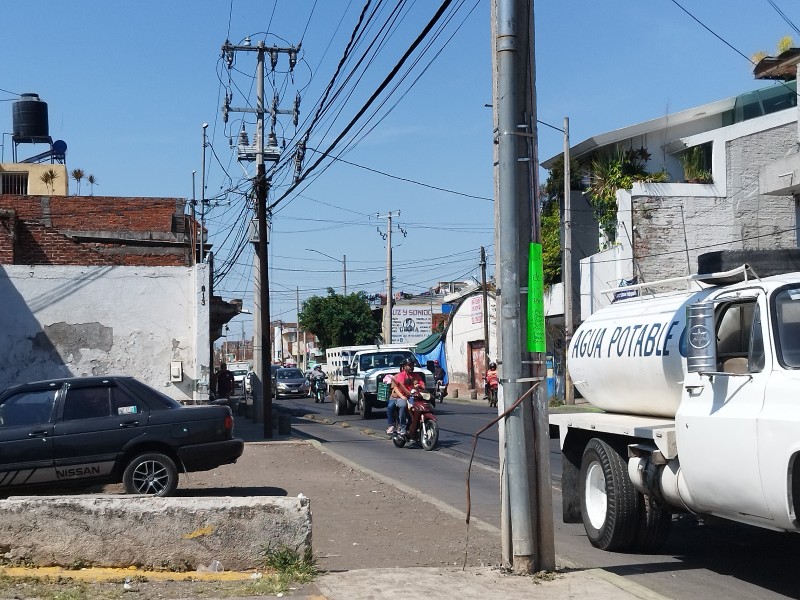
(700, 399)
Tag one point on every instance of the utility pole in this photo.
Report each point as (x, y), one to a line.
(297, 329)
(203, 199)
(262, 345)
(193, 231)
(530, 547)
(344, 274)
(569, 394)
(485, 312)
(387, 311)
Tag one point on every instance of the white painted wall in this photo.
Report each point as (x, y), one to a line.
(60, 321)
(462, 330)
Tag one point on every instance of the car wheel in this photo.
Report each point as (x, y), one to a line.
(151, 473)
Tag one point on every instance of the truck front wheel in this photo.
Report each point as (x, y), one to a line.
(364, 407)
(609, 502)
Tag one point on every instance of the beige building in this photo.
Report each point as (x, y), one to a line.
(25, 179)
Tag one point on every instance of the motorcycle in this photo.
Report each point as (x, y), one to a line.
(318, 388)
(426, 429)
(439, 393)
(492, 393)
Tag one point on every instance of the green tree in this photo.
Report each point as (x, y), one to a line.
(551, 242)
(77, 175)
(339, 320)
(552, 195)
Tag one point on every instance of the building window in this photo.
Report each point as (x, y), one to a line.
(14, 183)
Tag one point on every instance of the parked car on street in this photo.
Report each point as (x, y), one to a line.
(90, 430)
(290, 382)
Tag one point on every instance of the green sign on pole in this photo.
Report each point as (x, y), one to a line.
(537, 341)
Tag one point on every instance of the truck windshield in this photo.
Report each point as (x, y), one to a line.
(384, 359)
(787, 315)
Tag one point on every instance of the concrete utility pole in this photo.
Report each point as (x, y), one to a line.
(516, 118)
(193, 232)
(203, 199)
(262, 344)
(569, 394)
(387, 311)
(485, 312)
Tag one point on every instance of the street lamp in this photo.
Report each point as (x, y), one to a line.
(344, 266)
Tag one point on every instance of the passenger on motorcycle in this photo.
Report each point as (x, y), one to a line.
(439, 375)
(406, 383)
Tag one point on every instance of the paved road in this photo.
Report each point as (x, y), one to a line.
(712, 560)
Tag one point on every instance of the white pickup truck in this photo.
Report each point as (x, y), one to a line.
(354, 373)
(700, 393)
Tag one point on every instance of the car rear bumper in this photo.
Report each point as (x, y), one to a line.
(203, 457)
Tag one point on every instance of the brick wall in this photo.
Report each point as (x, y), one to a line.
(46, 226)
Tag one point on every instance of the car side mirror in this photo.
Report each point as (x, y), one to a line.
(701, 346)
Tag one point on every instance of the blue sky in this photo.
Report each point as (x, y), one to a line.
(129, 85)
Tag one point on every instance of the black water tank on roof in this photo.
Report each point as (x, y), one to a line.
(30, 117)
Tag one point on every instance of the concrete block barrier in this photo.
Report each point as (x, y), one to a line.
(162, 533)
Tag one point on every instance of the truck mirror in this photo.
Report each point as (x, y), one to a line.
(701, 346)
(346, 371)
(429, 365)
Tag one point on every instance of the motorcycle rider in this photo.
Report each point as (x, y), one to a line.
(316, 378)
(491, 379)
(439, 376)
(405, 383)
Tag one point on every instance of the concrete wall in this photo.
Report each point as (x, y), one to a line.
(71, 321)
(671, 231)
(36, 187)
(162, 533)
(663, 227)
(462, 331)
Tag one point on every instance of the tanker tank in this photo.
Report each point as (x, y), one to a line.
(630, 357)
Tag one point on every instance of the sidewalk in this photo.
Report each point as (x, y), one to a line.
(447, 583)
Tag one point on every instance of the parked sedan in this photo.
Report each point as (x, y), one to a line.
(108, 430)
(290, 382)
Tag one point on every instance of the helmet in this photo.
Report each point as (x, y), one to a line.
(436, 362)
(492, 365)
(408, 361)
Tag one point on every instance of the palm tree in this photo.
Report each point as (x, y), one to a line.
(92, 182)
(48, 178)
(77, 175)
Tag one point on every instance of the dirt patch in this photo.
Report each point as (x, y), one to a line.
(358, 521)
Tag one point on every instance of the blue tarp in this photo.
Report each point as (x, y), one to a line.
(436, 353)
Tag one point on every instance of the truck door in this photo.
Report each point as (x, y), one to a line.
(717, 421)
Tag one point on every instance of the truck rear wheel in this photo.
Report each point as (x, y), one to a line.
(609, 502)
(339, 403)
(654, 525)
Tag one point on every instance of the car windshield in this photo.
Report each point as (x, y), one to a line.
(239, 372)
(290, 374)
